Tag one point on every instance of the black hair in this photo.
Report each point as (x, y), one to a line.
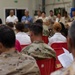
(39, 11)
(65, 12)
(44, 12)
(64, 31)
(7, 36)
(20, 26)
(36, 28)
(10, 24)
(51, 11)
(59, 13)
(39, 21)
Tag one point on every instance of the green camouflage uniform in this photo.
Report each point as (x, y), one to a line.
(12, 63)
(39, 49)
(69, 71)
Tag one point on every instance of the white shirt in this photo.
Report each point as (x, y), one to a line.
(57, 37)
(23, 38)
(60, 20)
(13, 19)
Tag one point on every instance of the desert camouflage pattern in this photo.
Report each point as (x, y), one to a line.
(69, 71)
(12, 63)
(39, 49)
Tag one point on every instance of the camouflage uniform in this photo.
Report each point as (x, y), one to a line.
(12, 63)
(39, 49)
(69, 71)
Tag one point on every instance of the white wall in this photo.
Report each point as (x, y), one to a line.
(57, 4)
(30, 4)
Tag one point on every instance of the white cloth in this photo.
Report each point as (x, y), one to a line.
(60, 20)
(57, 37)
(23, 38)
(13, 19)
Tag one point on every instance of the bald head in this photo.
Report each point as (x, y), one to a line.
(11, 12)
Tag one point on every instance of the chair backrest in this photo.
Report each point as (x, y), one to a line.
(22, 46)
(59, 45)
(58, 49)
(46, 66)
(18, 46)
(45, 39)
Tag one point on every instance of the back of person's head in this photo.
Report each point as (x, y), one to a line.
(51, 11)
(39, 21)
(7, 37)
(43, 12)
(64, 31)
(37, 29)
(71, 34)
(20, 27)
(57, 27)
(10, 24)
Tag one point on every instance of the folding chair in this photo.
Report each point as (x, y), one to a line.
(45, 39)
(58, 48)
(46, 66)
(22, 46)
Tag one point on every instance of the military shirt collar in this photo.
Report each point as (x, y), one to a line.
(38, 41)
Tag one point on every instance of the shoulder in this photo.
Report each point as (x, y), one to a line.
(28, 47)
(59, 72)
(15, 16)
(30, 17)
(23, 16)
(66, 71)
(8, 17)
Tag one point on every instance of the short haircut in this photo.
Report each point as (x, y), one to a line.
(10, 24)
(65, 12)
(71, 32)
(7, 36)
(59, 13)
(39, 11)
(20, 26)
(36, 28)
(57, 26)
(51, 11)
(39, 21)
(44, 12)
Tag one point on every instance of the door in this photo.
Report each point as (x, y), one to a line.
(20, 13)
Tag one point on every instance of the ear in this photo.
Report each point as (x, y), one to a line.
(1, 47)
(31, 33)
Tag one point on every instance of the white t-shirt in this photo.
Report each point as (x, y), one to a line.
(13, 19)
(23, 38)
(57, 37)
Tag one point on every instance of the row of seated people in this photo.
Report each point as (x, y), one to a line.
(24, 40)
(16, 63)
(38, 49)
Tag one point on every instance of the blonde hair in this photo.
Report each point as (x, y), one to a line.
(57, 27)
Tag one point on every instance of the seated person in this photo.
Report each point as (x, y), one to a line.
(38, 49)
(57, 37)
(64, 31)
(17, 44)
(11, 62)
(71, 45)
(21, 36)
(60, 18)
